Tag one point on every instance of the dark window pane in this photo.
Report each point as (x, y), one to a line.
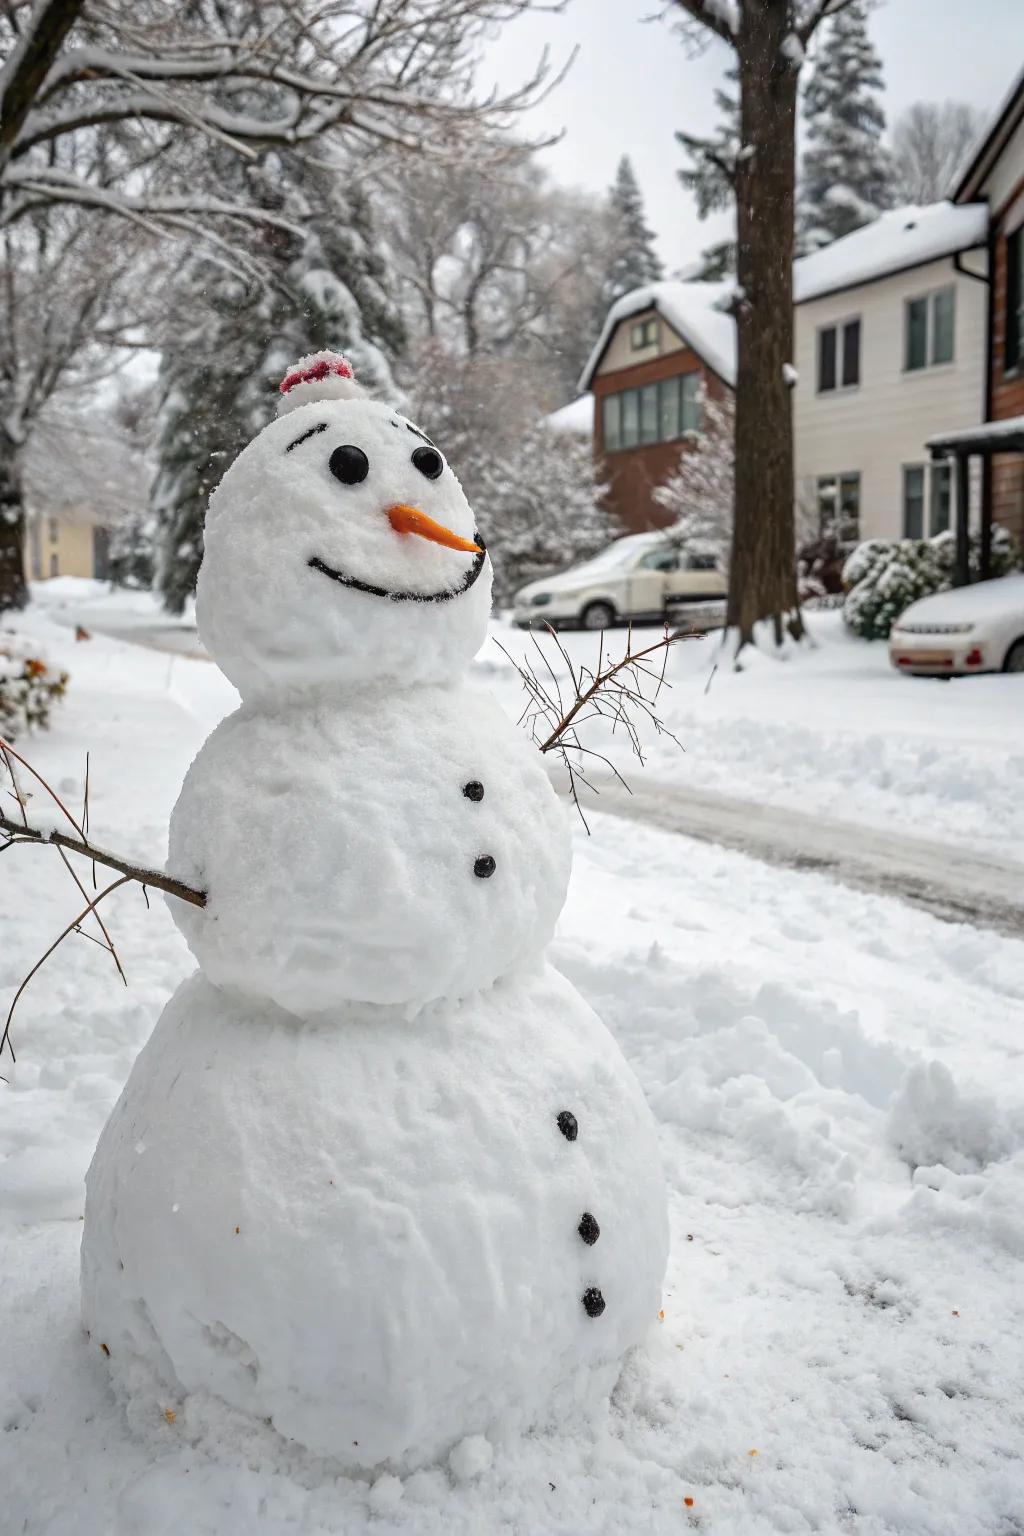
(636, 337)
(649, 413)
(913, 502)
(691, 402)
(849, 508)
(611, 419)
(827, 359)
(630, 418)
(1014, 298)
(668, 409)
(942, 482)
(942, 326)
(851, 352)
(828, 490)
(917, 333)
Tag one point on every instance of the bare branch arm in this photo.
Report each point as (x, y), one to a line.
(702, 11)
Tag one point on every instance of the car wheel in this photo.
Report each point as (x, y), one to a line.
(1015, 657)
(598, 616)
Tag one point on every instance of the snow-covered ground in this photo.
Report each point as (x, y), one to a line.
(836, 1082)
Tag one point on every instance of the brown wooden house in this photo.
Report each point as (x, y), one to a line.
(995, 176)
(661, 348)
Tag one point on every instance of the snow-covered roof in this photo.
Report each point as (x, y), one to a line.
(902, 238)
(576, 418)
(692, 310)
(990, 434)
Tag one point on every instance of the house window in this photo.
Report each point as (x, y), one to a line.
(927, 500)
(54, 565)
(611, 420)
(940, 500)
(54, 530)
(913, 501)
(839, 356)
(656, 413)
(644, 334)
(1014, 345)
(928, 330)
(839, 507)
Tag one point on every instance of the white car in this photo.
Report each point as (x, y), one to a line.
(637, 579)
(979, 628)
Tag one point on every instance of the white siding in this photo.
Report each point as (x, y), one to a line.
(882, 424)
(1004, 177)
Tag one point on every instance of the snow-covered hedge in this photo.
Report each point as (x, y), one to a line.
(884, 576)
(28, 687)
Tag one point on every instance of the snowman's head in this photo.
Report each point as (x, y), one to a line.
(340, 548)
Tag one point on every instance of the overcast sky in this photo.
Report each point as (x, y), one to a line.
(633, 85)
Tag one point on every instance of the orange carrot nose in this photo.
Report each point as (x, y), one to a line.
(412, 520)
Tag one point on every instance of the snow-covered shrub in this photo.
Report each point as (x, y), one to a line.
(883, 577)
(28, 687)
(542, 508)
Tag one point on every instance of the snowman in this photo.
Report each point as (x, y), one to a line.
(380, 1178)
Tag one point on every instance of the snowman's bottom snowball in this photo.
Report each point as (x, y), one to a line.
(367, 1231)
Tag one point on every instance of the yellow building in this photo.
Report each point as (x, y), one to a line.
(82, 478)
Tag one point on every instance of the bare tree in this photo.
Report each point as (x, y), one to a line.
(769, 41)
(113, 108)
(931, 141)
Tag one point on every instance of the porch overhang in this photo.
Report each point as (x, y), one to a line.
(982, 442)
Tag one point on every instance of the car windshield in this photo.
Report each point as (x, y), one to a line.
(623, 553)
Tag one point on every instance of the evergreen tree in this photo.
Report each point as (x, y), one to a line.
(711, 175)
(327, 286)
(845, 174)
(633, 260)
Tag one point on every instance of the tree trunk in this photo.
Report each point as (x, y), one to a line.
(762, 572)
(13, 589)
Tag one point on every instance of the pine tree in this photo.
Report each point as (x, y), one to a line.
(845, 174)
(711, 175)
(325, 288)
(633, 261)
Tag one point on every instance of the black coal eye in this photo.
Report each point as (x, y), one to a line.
(429, 462)
(349, 464)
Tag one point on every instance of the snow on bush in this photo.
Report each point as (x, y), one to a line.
(883, 577)
(28, 687)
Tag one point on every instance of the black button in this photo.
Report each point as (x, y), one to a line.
(484, 867)
(567, 1125)
(588, 1229)
(474, 790)
(593, 1302)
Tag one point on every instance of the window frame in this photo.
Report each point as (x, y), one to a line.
(929, 299)
(839, 329)
(907, 471)
(933, 473)
(677, 401)
(643, 334)
(836, 479)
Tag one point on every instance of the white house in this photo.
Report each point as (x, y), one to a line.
(890, 346)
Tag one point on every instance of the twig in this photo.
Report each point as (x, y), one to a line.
(126, 867)
(75, 923)
(615, 692)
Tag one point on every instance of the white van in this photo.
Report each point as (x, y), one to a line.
(639, 579)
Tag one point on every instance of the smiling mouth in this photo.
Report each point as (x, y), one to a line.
(445, 595)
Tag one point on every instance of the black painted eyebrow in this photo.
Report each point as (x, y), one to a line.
(418, 433)
(321, 426)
